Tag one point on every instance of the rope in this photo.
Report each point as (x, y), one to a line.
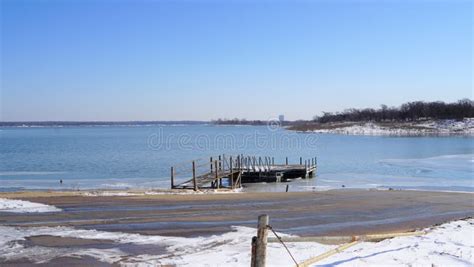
(283, 243)
(327, 254)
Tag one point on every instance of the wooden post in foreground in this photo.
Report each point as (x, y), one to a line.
(261, 244)
(254, 251)
(194, 176)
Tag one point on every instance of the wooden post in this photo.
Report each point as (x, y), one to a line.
(194, 176)
(286, 160)
(231, 173)
(172, 177)
(220, 160)
(238, 162)
(254, 252)
(262, 235)
(217, 171)
(211, 163)
(221, 169)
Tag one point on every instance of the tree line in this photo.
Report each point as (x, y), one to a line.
(410, 111)
(237, 121)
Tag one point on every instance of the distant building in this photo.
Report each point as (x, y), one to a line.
(281, 118)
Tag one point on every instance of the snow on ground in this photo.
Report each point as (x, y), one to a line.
(102, 193)
(451, 244)
(465, 127)
(21, 206)
(110, 194)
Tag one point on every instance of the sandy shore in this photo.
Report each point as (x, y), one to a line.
(302, 213)
(337, 212)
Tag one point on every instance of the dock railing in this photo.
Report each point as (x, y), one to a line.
(207, 170)
(226, 171)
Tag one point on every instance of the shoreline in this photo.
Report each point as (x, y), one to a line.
(253, 188)
(296, 212)
(138, 192)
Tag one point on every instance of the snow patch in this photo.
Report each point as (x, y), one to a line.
(176, 192)
(440, 127)
(21, 206)
(450, 244)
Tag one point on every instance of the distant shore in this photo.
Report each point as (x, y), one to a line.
(422, 127)
(33, 124)
(395, 128)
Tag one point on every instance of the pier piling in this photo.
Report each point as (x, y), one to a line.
(172, 177)
(194, 176)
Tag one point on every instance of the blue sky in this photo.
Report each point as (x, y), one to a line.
(201, 60)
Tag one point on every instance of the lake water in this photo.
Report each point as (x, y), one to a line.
(141, 156)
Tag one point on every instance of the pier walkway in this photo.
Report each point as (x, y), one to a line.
(231, 171)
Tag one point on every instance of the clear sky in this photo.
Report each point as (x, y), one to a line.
(201, 60)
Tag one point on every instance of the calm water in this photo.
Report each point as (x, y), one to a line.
(140, 157)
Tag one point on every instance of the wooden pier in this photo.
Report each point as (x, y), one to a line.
(231, 171)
